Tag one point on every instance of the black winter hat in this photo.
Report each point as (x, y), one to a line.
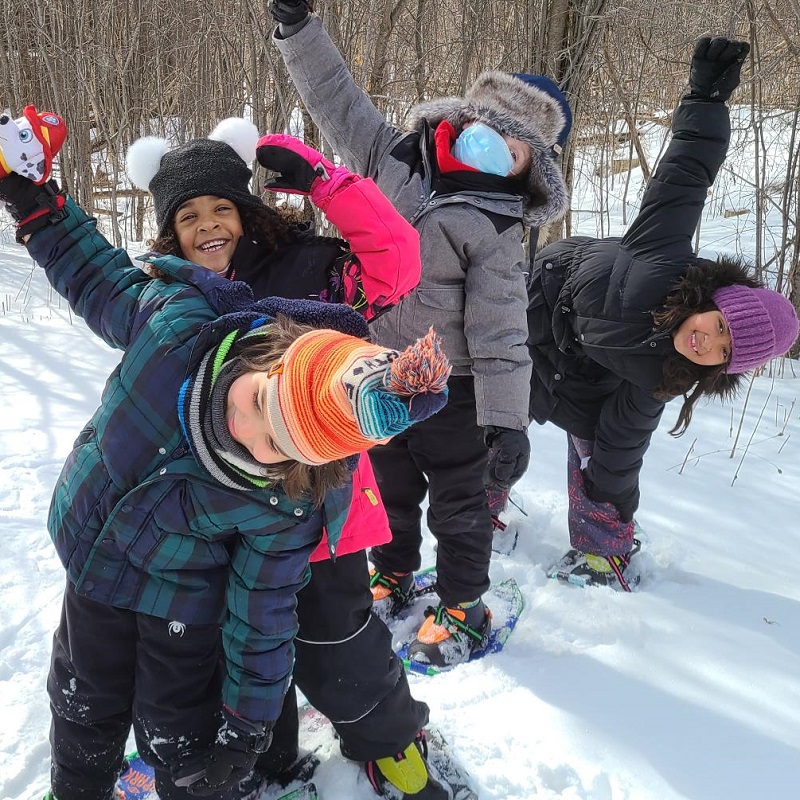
(216, 166)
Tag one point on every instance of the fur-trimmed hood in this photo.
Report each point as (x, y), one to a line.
(522, 111)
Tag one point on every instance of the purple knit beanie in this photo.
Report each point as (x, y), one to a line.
(762, 322)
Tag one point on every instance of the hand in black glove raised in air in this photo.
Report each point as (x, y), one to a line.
(299, 165)
(716, 67)
(290, 12)
(32, 206)
(509, 453)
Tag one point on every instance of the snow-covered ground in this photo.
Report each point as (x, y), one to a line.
(688, 688)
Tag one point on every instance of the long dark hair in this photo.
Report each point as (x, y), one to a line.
(260, 223)
(258, 354)
(692, 295)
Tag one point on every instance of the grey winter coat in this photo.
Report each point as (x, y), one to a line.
(473, 289)
(597, 358)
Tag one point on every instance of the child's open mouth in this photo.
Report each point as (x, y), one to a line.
(213, 245)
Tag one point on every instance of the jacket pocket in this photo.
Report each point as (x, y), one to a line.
(442, 308)
(445, 298)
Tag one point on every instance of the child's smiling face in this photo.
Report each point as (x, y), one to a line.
(208, 229)
(704, 339)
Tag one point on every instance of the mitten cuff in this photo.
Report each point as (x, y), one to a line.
(247, 728)
(325, 187)
(50, 209)
(285, 31)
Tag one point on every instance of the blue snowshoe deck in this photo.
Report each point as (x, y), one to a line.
(504, 600)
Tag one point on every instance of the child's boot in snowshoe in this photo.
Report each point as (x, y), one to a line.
(391, 592)
(450, 634)
(406, 776)
(587, 569)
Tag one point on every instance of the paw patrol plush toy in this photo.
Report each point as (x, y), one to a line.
(29, 144)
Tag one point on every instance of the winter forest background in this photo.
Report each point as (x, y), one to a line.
(116, 69)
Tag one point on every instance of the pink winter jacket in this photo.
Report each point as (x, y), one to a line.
(387, 248)
(367, 524)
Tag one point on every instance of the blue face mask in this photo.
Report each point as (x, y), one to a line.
(484, 149)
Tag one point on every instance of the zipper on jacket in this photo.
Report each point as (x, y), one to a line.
(651, 342)
(425, 204)
(426, 170)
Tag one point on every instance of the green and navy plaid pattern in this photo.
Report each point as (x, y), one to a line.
(137, 522)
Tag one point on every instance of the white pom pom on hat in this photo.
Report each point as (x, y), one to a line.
(240, 134)
(144, 159)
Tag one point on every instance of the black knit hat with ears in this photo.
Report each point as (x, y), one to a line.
(215, 166)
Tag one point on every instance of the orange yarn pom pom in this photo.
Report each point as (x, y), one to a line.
(421, 368)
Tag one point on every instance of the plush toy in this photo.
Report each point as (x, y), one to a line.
(29, 144)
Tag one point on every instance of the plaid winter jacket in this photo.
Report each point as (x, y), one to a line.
(136, 521)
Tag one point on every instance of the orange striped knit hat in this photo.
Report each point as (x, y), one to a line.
(333, 395)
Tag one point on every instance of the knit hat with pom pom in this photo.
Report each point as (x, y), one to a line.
(215, 166)
(333, 395)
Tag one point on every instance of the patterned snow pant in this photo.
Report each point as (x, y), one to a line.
(594, 527)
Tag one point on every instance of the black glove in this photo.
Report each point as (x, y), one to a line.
(32, 207)
(298, 164)
(626, 503)
(229, 761)
(290, 12)
(716, 64)
(509, 454)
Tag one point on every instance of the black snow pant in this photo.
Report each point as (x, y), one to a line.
(111, 669)
(444, 456)
(345, 666)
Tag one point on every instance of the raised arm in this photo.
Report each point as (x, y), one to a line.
(674, 198)
(98, 280)
(386, 247)
(343, 112)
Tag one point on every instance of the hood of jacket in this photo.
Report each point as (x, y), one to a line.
(521, 111)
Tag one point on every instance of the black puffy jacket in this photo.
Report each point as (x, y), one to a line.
(597, 358)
